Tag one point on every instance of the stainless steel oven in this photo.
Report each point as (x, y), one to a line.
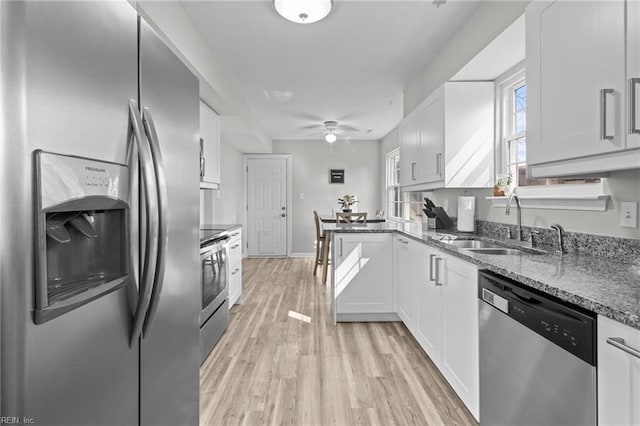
(214, 314)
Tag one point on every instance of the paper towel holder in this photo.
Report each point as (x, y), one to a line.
(466, 213)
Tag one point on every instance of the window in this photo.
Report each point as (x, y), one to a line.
(394, 205)
(516, 131)
(400, 205)
(514, 128)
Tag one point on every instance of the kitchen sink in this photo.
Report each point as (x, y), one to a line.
(495, 250)
(468, 244)
(489, 247)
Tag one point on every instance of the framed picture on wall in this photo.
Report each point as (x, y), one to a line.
(336, 176)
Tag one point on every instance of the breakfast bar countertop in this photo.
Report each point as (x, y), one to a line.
(605, 286)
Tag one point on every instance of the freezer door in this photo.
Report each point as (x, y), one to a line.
(170, 357)
(68, 71)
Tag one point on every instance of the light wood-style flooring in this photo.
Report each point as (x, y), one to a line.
(270, 368)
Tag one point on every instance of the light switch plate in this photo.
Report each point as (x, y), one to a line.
(629, 214)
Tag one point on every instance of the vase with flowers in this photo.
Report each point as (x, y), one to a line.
(346, 202)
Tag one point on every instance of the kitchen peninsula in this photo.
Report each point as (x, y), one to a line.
(607, 286)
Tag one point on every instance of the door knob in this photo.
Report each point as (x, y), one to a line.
(283, 215)
(284, 208)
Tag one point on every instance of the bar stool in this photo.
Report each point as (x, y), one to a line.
(321, 240)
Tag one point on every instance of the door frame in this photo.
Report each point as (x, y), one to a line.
(245, 183)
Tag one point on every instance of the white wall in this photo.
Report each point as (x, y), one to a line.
(224, 206)
(311, 161)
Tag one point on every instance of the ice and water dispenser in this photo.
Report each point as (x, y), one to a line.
(82, 232)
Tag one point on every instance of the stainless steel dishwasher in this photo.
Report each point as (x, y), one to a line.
(537, 357)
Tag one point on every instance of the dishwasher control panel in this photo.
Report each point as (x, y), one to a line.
(568, 326)
(495, 300)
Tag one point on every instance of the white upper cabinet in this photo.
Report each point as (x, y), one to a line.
(447, 141)
(430, 138)
(209, 148)
(578, 92)
(409, 150)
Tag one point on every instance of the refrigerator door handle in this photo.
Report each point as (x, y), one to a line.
(151, 217)
(162, 231)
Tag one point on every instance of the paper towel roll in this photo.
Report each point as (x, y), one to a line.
(466, 214)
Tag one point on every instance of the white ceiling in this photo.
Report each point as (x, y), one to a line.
(351, 67)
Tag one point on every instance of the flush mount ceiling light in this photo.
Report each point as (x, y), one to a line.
(330, 137)
(303, 11)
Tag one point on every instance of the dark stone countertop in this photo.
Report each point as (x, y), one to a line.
(605, 286)
(207, 231)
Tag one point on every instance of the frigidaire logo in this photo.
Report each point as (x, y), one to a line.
(95, 169)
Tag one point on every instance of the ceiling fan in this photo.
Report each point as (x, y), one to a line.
(331, 130)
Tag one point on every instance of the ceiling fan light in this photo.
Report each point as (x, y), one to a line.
(330, 137)
(303, 11)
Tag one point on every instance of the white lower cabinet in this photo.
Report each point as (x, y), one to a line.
(437, 301)
(429, 311)
(460, 356)
(363, 273)
(618, 373)
(234, 259)
(411, 267)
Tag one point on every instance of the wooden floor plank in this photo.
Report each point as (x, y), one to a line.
(272, 369)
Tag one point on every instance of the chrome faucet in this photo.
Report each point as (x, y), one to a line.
(560, 241)
(507, 211)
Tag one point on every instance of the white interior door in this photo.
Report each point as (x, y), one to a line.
(267, 206)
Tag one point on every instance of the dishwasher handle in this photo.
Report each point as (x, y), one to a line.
(540, 305)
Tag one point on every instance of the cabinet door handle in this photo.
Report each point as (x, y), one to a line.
(603, 114)
(340, 247)
(202, 159)
(431, 267)
(438, 263)
(619, 343)
(235, 246)
(235, 271)
(413, 171)
(633, 105)
(439, 164)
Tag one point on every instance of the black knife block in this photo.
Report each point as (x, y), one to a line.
(442, 219)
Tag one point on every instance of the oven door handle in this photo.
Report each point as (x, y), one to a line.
(162, 228)
(151, 223)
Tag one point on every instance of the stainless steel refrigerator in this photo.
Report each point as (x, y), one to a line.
(99, 294)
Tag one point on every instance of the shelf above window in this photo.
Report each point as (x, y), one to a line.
(585, 197)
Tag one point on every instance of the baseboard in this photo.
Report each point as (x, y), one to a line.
(379, 317)
(302, 255)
